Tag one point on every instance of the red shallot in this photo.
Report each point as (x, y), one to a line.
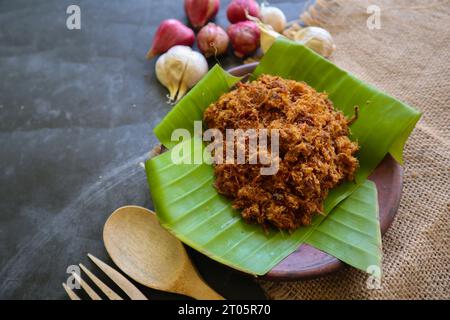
(212, 40)
(244, 37)
(170, 32)
(237, 10)
(200, 12)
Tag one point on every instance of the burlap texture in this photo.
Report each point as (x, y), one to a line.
(409, 58)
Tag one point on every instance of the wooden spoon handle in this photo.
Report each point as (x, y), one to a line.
(201, 291)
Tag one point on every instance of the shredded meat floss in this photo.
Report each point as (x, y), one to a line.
(315, 152)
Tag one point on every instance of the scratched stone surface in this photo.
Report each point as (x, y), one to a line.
(77, 109)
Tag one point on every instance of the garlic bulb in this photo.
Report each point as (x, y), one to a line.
(273, 17)
(179, 69)
(170, 68)
(196, 68)
(317, 39)
(268, 35)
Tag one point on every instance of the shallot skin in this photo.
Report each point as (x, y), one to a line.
(212, 40)
(244, 37)
(199, 12)
(236, 10)
(171, 32)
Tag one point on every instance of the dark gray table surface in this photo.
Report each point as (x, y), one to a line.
(77, 109)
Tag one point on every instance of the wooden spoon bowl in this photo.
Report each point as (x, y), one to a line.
(150, 255)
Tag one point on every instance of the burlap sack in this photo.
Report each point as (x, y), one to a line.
(409, 57)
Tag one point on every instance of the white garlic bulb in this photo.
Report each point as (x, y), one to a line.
(273, 17)
(268, 35)
(179, 69)
(317, 39)
(170, 68)
(196, 68)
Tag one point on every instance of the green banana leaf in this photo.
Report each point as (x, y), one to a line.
(351, 231)
(188, 205)
(197, 215)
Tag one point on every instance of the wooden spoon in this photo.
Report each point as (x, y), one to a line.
(150, 255)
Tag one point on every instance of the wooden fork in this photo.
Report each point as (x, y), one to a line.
(122, 282)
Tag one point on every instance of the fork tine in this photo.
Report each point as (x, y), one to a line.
(105, 289)
(91, 293)
(119, 279)
(72, 295)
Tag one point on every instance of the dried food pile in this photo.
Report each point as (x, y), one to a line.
(315, 152)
